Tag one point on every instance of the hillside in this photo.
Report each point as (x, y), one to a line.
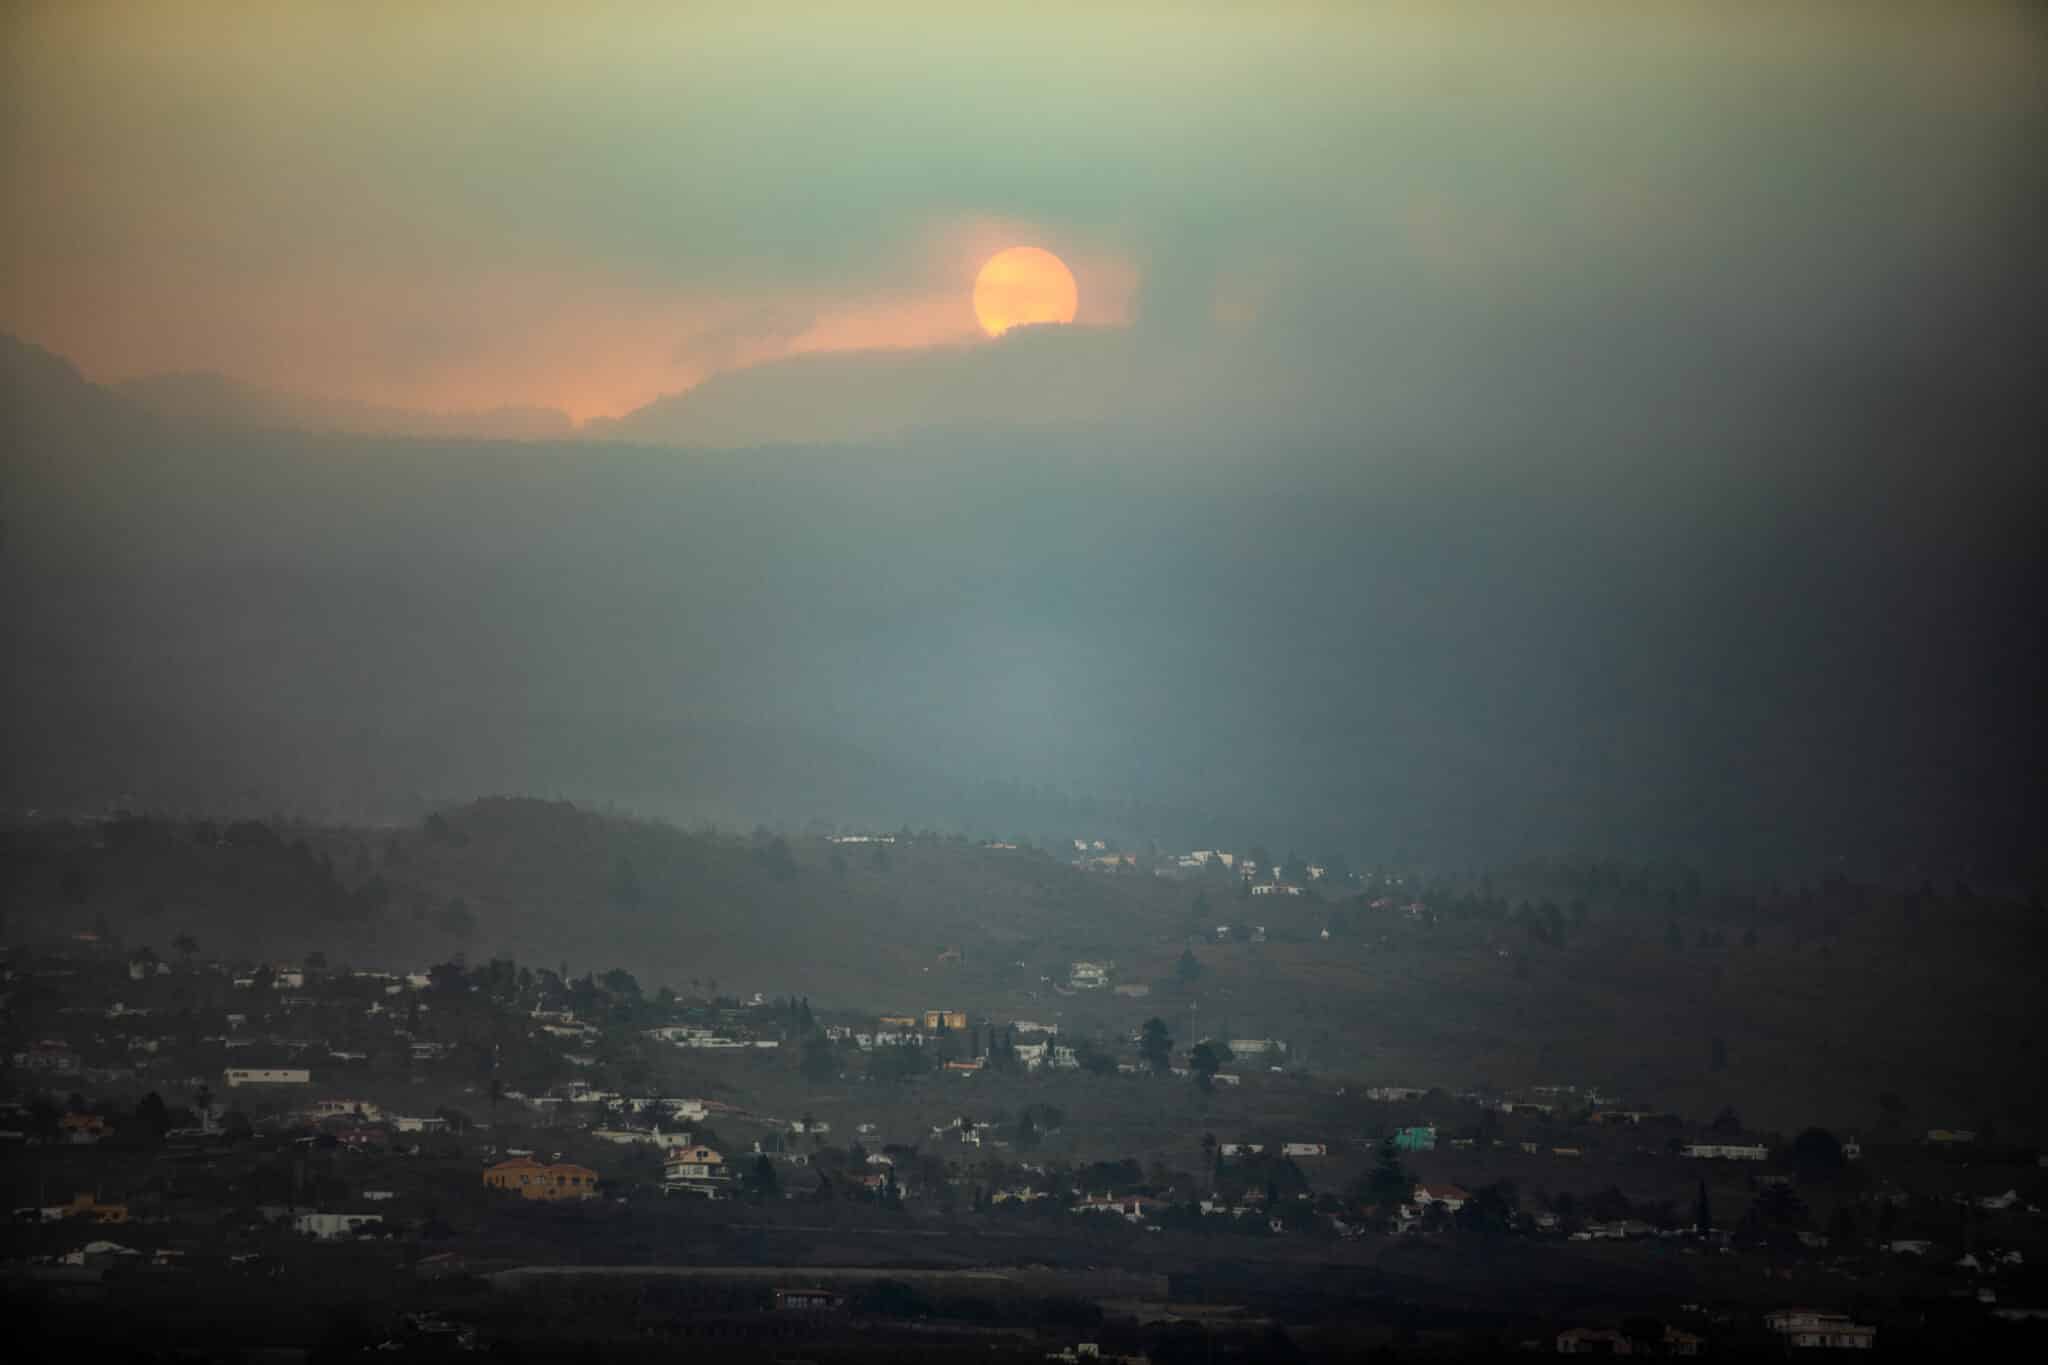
(1821, 998)
(1434, 651)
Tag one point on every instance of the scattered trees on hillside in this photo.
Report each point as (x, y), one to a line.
(897, 1062)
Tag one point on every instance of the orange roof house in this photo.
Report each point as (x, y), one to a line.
(532, 1180)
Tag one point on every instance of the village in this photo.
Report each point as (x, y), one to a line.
(193, 1115)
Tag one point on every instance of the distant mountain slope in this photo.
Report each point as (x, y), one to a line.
(1032, 377)
(214, 400)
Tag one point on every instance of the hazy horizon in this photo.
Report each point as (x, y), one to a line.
(1592, 430)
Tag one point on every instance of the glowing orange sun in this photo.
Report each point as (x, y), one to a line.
(1022, 285)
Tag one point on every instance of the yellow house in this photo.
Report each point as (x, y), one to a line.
(934, 1020)
(532, 1180)
(694, 1163)
(898, 1021)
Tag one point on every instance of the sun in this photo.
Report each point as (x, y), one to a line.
(1021, 285)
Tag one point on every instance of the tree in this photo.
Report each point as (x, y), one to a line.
(1189, 967)
(1777, 1206)
(1702, 1212)
(760, 1181)
(776, 857)
(1386, 1182)
(187, 947)
(897, 1062)
(1155, 1045)
(202, 1099)
(1491, 1210)
(1817, 1155)
(1727, 1123)
(1092, 1058)
(153, 1114)
(1205, 1063)
(1843, 1229)
(620, 982)
(818, 1065)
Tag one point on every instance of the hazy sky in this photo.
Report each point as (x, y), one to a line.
(590, 206)
(1488, 429)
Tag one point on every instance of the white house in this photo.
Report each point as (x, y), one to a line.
(1450, 1196)
(1805, 1327)
(329, 1226)
(405, 1123)
(1255, 1047)
(1726, 1151)
(1089, 976)
(1304, 1149)
(266, 1075)
(692, 1110)
(343, 1109)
